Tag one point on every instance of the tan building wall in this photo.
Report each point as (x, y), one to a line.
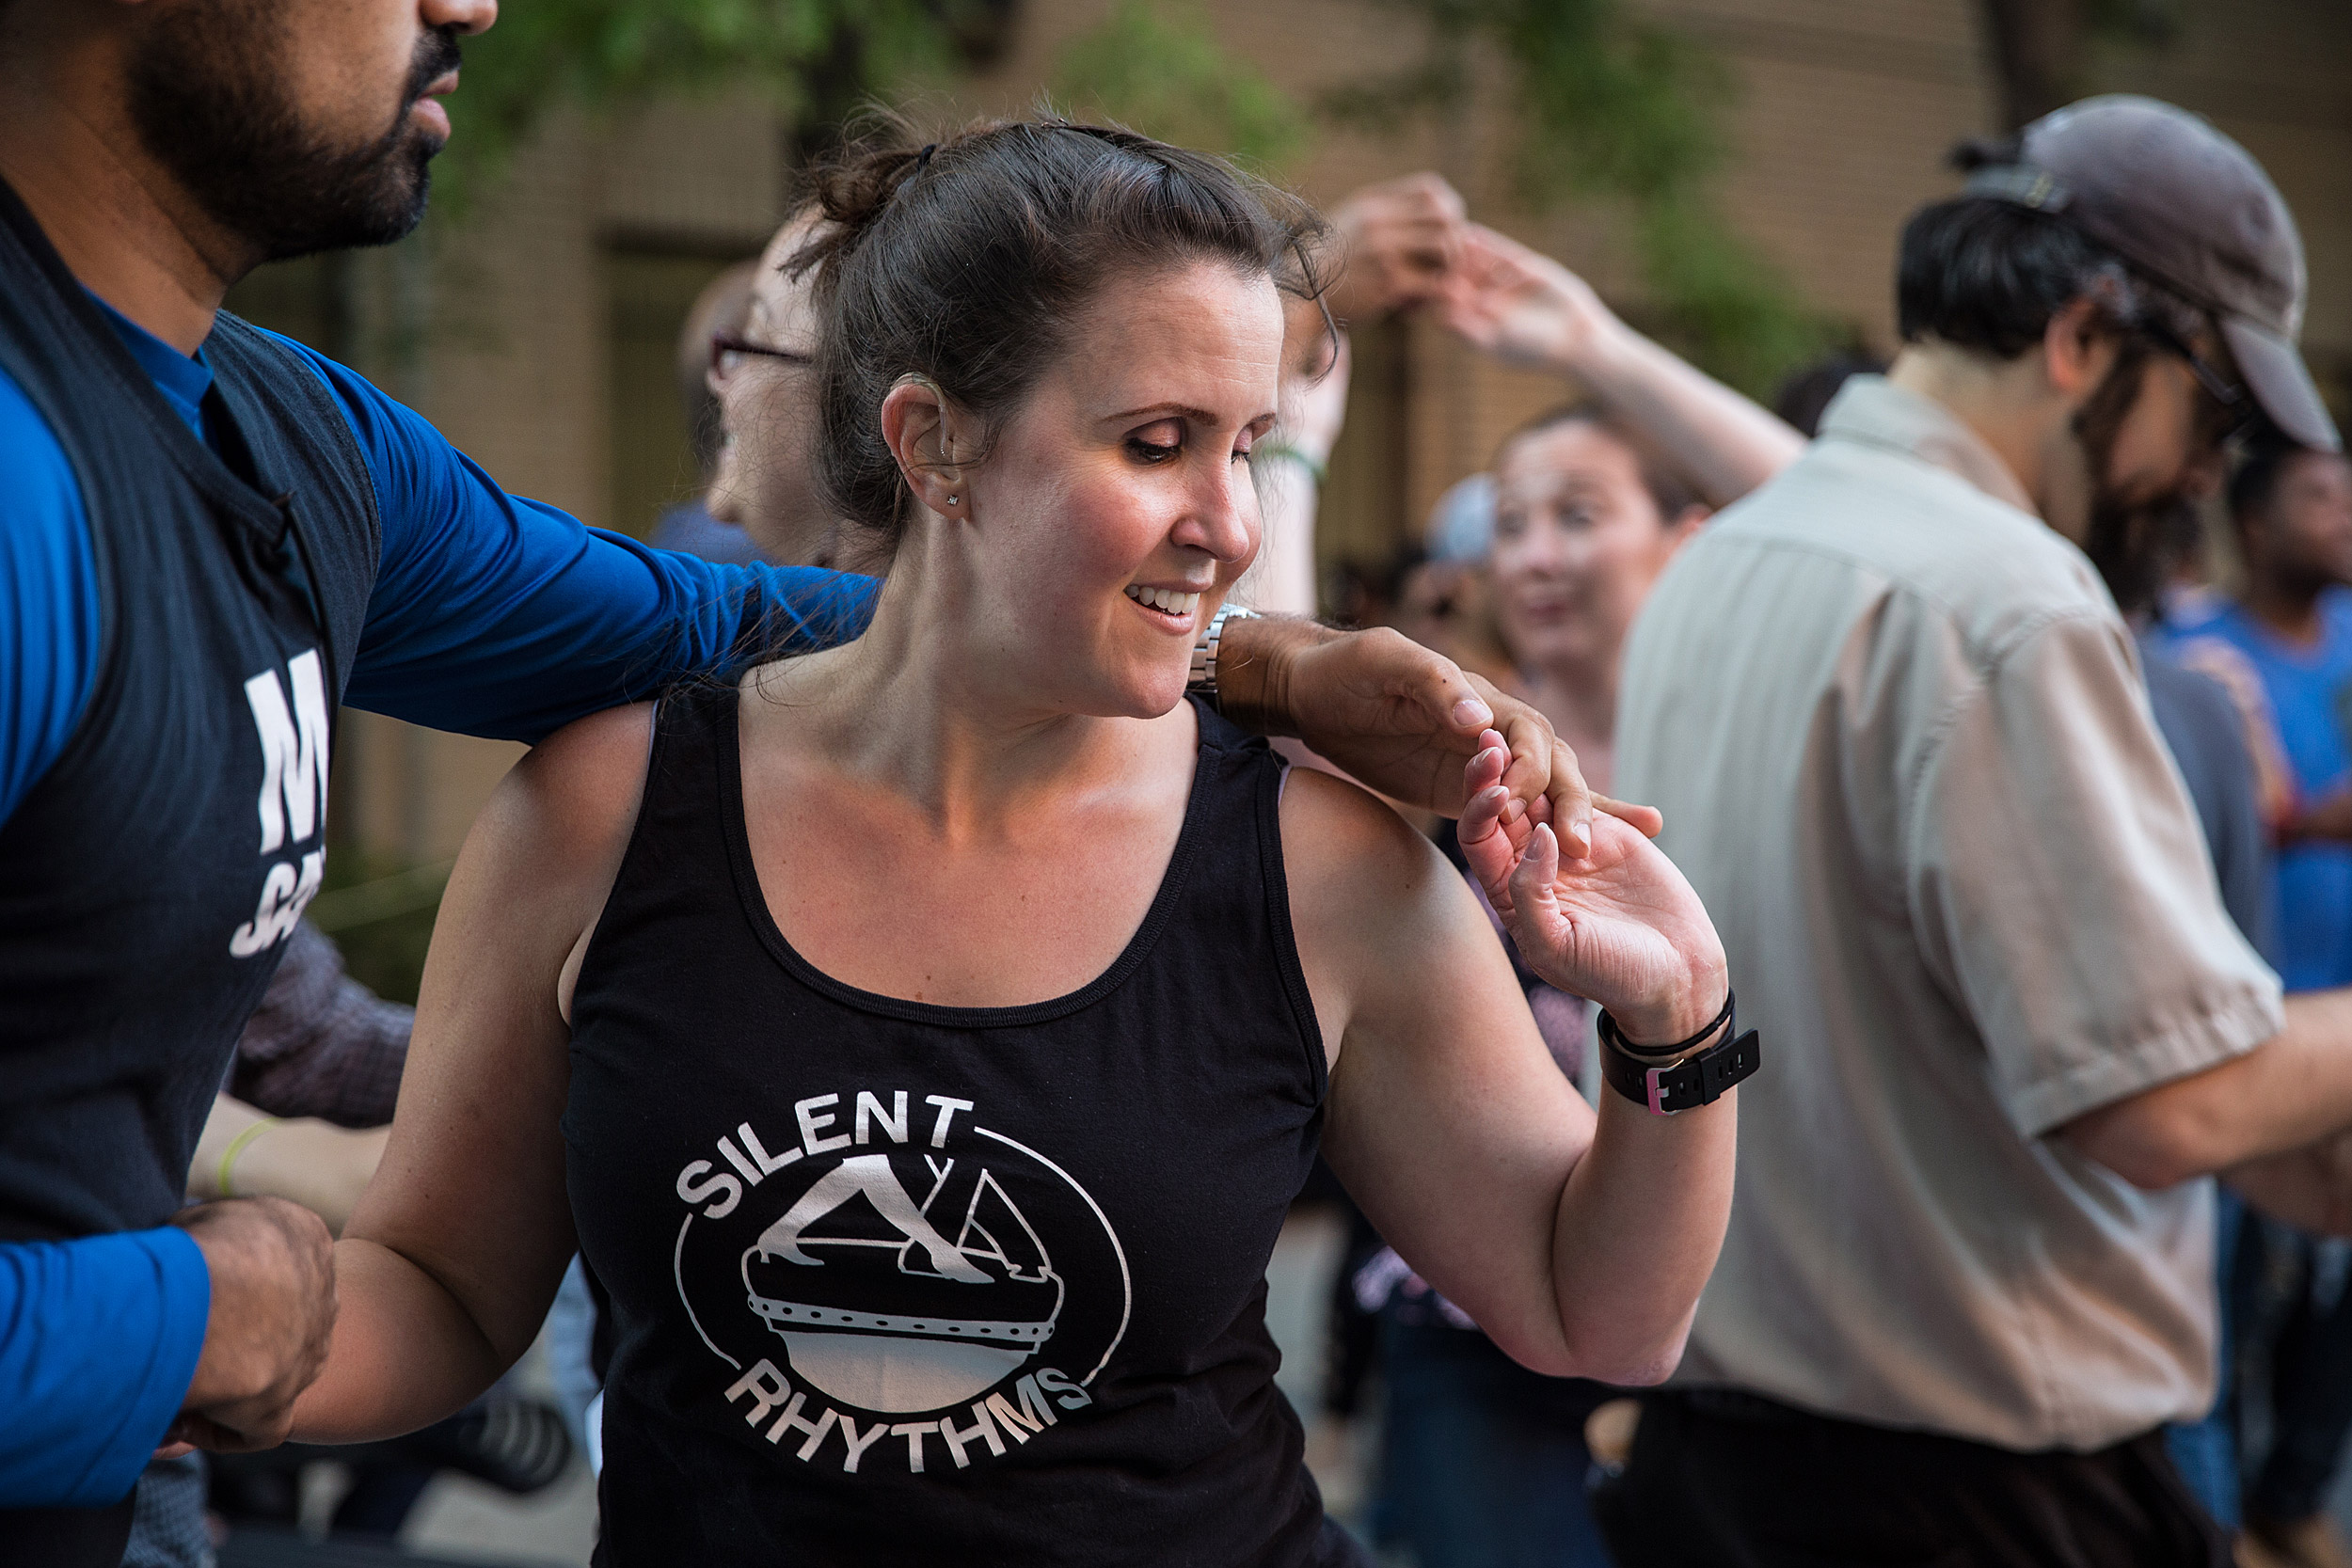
(1840, 115)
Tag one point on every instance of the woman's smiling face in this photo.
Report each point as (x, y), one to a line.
(1115, 509)
(1579, 540)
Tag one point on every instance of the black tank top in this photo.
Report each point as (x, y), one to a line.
(903, 1283)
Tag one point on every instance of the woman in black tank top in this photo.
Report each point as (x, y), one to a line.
(922, 1042)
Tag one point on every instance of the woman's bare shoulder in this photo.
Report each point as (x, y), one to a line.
(593, 755)
(543, 856)
(1385, 927)
(574, 795)
(1347, 853)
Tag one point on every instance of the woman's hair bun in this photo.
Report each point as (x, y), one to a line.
(965, 260)
(853, 185)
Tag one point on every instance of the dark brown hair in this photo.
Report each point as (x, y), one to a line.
(966, 261)
(1669, 488)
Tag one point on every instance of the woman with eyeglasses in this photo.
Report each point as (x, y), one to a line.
(764, 480)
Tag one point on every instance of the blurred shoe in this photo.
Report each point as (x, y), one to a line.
(2313, 1542)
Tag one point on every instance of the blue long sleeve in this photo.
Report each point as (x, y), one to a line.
(99, 1338)
(99, 1341)
(500, 616)
(48, 598)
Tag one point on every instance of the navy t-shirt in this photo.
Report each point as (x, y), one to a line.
(491, 615)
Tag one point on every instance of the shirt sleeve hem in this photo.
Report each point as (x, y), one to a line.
(2229, 1028)
(185, 1285)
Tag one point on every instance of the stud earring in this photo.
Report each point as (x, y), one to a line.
(951, 501)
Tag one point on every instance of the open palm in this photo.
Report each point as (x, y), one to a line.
(1619, 925)
(1517, 304)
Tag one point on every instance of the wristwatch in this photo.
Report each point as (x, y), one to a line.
(1203, 681)
(1652, 1078)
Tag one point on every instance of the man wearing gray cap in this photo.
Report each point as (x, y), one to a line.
(1904, 751)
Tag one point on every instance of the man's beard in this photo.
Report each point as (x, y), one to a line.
(209, 101)
(2136, 542)
(2140, 546)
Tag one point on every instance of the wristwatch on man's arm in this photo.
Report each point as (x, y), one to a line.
(1203, 681)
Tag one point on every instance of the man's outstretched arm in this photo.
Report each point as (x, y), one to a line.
(495, 615)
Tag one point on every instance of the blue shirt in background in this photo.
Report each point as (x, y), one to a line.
(2310, 690)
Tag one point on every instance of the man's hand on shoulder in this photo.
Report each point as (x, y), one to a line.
(272, 1317)
(1401, 720)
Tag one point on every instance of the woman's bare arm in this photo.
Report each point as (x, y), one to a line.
(1579, 1245)
(456, 1248)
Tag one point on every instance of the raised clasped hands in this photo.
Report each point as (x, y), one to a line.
(1520, 306)
(1398, 240)
(1617, 924)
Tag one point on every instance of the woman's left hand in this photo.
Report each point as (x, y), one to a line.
(1619, 925)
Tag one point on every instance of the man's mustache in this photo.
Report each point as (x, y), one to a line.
(437, 55)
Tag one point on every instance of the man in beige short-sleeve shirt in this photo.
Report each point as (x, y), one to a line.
(1904, 751)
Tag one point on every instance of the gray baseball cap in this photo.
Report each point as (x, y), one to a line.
(2182, 203)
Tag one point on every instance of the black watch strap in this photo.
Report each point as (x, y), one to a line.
(1694, 1081)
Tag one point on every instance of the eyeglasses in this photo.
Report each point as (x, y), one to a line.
(728, 352)
(2238, 412)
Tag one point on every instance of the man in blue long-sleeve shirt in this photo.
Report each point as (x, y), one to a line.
(208, 534)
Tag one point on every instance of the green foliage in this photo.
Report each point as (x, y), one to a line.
(1610, 106)
(1617, 109)
(1722, 303)
(1159, 69)
(611, 56)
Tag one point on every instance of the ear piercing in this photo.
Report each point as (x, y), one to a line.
(951, 501)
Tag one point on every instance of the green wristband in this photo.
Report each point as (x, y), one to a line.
(236, 1147)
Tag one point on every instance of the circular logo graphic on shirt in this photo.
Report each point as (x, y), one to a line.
(897, 1256)
(879, 1307)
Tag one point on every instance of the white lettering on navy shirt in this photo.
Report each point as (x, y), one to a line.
(292, 805)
